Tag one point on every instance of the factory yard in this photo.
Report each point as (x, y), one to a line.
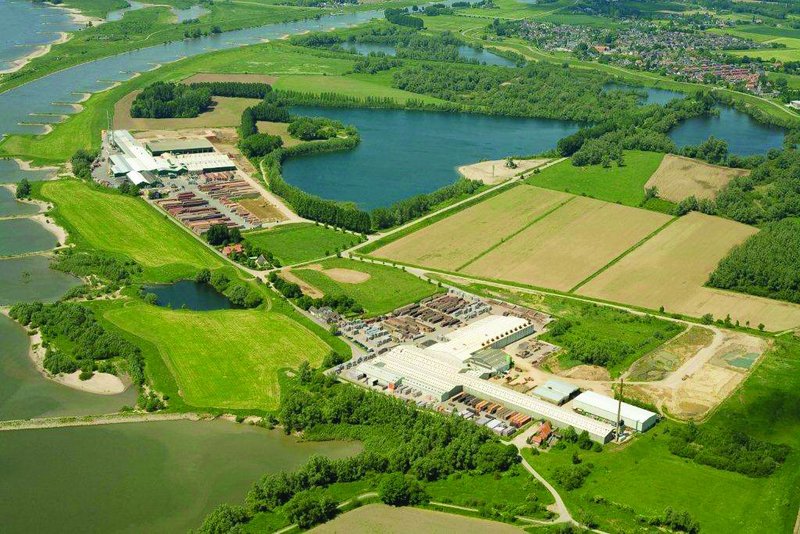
(679, 177)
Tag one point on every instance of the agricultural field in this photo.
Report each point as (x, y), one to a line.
(224, 358)
(679, 177)
(614, 184)
(125, 225)
(226, 112)
(378, 288)
(355, 85)
(671, 269)
(458, 239)
(568, 245)
(298, 243)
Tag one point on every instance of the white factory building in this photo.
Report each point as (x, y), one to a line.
(445, 369)
(134, 157)
(606, 408)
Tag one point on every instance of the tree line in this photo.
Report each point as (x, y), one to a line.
(162, 100)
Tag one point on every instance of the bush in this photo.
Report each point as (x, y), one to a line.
(23, 188)
(309, 508)
(397, 489)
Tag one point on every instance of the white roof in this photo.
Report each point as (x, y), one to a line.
(561, 387)
(478, 335)
(135, 155)
(629, 412)
(202, 161)
(137, 178)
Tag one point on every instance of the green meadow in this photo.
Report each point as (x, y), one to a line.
(298, 243)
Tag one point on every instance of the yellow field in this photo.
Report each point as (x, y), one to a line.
(226, 112)
(569, 244)
(452, 242)
(670, 269)
(678, 178)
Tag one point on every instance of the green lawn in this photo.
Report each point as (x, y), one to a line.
(224, 358)
(386, 289)
(356, 85)
(616, 184)
(297, 243)
(109, 221)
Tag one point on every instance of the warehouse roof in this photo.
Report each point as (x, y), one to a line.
(178, 145)
(478, 335)
(548, 394)
(137, 178)
(561, 387)
(629, 411)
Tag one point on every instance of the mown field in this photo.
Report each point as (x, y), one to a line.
(298, 243)
(678, 178)
(224, 358)
(226, 112)
(644, 478)
(386, 288)
(671, 269)
(109, 221)
(623, 184)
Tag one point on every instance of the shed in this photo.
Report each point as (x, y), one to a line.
(606, 408)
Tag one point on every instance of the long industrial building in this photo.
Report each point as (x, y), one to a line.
(445, 369)
(606, 408)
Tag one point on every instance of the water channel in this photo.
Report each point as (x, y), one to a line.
(482, 55)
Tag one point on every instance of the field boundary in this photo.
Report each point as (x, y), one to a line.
(619, 258)
(512, 235)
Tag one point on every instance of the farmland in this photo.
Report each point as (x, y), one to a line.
(298, 243)
(623, 184)
(378, 288)
(678, 178)
(225, 358)
(226, 112)
(125, 225)
(671, 268)
(568, 245)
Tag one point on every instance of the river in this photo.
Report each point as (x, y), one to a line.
(27, 26)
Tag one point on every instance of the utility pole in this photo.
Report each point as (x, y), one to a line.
(620, 426)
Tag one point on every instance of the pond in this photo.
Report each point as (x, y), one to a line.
(192, 12)
(189, 294)
(466, 52)
(138, 477)
(30, 278)
(653, 95)
(10, 173)
(25, 393)
(11, 207)
(406, 153)
(21, 236)
(745, 135)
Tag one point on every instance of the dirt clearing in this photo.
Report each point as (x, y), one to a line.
(226, 112)
(261, 209)
(678, 177)
(569, 244)
(671, 268)
(223, 77)
(495, 171)
(307, 288)
(344, 276)
(451, 242)
(667, 358)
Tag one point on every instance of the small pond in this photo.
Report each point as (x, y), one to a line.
(189, 294)
(10, 173)
(653, 95)
(406, 153)
(11, 207)
(466, 52)
(30, 278)
(21, 236)
(745, 135)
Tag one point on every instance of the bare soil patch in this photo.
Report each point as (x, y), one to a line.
(337, 274)
(495, 171)
(671, 269)
(226, 77)
(679, 177)
(307, 288)
(261, 209)
(227, 112)
(569, 244)
(587, 372)
(670, 356)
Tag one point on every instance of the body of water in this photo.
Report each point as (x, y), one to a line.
(10, 173)
(30, 278)
(466, 52)
(138, 477)
(193, 12)
(189, 294)
(117, 14)
(27, 26)
(20, 236)
(25, 393)
(406, 153)
(653, 95)
(11, 207)
(745, 135)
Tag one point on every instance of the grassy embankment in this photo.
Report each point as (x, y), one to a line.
(299, 243)
(378, 288)
(227, 359)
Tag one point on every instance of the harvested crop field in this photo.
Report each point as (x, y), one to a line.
(495, 171)
(224, 77)
(569, 244)
(394, 520)
(227, 112)
(670, 269)
(679, 177)
(452, 242)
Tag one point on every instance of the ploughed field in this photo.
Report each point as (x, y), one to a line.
(550, 239)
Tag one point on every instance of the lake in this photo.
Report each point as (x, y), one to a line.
(189, 294)
(653, 95)
(406, 153)
(30, 278)
(138, 477)
(745, 135)
(11, 207)
(20, 236)
(27, 26)
(466, 52)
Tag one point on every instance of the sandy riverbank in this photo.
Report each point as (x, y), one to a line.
(49, 225)
(26, 166)
(99, 384)
(78, 17)
(39, 51)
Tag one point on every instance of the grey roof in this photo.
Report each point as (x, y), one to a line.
(561, 387)
(176, 145)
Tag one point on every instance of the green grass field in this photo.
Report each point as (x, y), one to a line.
(109, 221)
(646, 477)
(386, 289)
(616, 184)
(356, 85)
(297, 243)
(223, 358)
